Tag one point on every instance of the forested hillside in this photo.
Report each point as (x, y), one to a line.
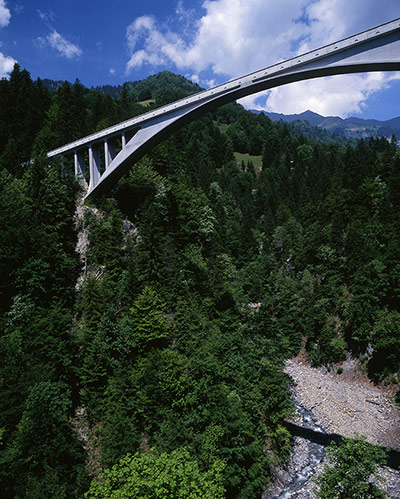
(160, 343)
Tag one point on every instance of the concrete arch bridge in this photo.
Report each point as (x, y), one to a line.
(377, 49)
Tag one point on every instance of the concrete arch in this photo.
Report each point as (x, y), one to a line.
(377, 49)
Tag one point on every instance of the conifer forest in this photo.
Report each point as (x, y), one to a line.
(143, 335)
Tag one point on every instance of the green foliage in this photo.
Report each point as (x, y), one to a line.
(148, 324)
(174, 475)
(144, 180)
(67, 119)
(44, 452)
(386, 344)
(353, 463)
(106, 239)
(14, 236)
(23, 105)
(200, 277)
(331, 346)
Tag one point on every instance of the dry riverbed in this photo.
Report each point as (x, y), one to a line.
(346, 407)
(344, 404)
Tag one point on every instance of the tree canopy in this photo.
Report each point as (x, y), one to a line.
(151, 329)
(353, 466)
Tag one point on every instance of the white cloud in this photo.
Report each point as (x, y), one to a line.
(57, 41)
(337, 95)
(47, 17)
(5, 14)
(6, 62)
(227, 39)
(63, 46)
(235, 37)
(158, 48)
(209, 83)
(6, 65)
(334, 19)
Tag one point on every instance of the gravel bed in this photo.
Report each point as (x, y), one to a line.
(346, 406)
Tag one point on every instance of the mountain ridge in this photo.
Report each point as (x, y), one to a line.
(352, 127)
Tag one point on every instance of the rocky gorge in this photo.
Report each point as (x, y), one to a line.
(344, 404)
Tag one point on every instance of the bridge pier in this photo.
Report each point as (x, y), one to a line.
(79, 164)
(94, 165)
(109, 151)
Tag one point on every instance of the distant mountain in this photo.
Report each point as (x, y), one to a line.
(52, 85)
(356, 128)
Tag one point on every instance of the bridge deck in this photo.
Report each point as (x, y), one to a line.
(377, 49)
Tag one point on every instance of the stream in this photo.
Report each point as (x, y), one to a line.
(295, 481)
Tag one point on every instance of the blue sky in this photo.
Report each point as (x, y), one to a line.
(207, 41)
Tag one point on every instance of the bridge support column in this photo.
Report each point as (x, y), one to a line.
(79, 163)
(109, 152)
(94, 166)
(123, 140)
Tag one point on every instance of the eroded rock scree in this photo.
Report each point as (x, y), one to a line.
(326, 403)
(346, 407)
